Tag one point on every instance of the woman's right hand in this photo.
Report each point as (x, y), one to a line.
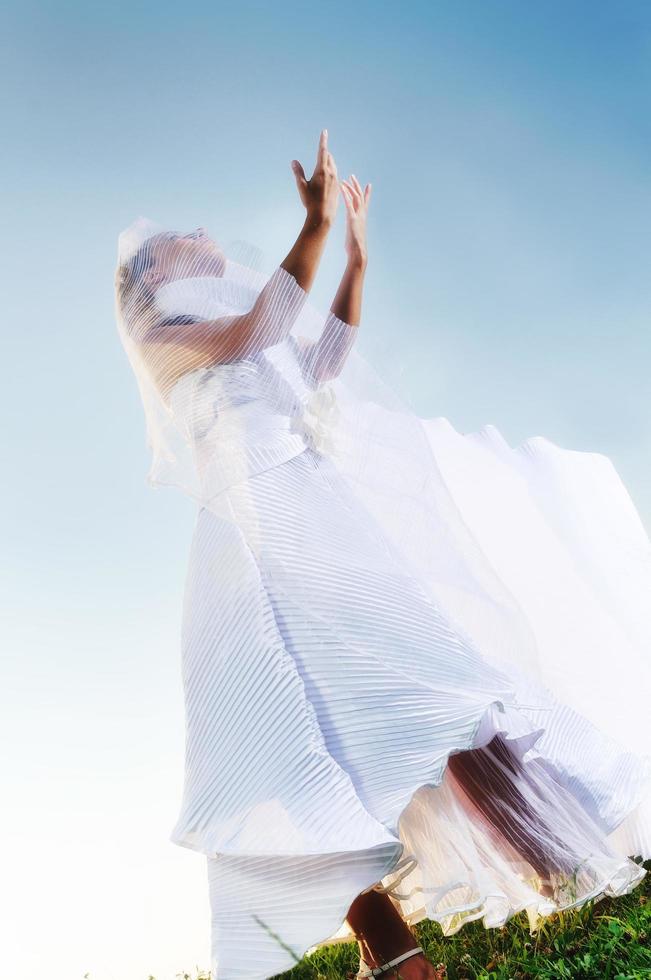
(319, 194)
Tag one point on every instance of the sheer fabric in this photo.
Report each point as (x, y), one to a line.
(238, 373)
(394, 635)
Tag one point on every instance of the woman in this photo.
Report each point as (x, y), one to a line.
(370, 737)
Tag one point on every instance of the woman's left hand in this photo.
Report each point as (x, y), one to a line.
(356, 201)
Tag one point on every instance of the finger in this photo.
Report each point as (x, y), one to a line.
(353, 188)
(367, 193)
(299, 173)
(347, 199)
(322, 152)
(331, 163)
(351, 213)
(353, 193)
(357, 184)
(360, 192)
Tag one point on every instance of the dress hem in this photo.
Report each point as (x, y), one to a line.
(621, 879)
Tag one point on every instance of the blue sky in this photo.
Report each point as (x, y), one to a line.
(508, 145)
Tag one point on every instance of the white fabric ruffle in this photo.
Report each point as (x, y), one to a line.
(323, 701)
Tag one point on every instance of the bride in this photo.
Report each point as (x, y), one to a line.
(394, 636)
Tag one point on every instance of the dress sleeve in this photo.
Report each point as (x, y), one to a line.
(276, 309)
(327, 355)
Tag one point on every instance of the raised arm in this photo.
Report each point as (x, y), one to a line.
(174, 349)
(326, 356)
(279, 303)
(320, 196)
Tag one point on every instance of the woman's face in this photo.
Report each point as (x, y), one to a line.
(176, 256)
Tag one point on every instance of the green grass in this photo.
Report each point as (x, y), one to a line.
(606, 940)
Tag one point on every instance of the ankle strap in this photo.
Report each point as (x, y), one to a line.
(375, 971)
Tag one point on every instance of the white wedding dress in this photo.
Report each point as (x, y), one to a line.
(335, 656)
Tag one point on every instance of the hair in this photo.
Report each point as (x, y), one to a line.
(135, 298)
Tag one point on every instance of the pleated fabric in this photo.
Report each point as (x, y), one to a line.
(412, 659)
(563, 533)
(326, 694)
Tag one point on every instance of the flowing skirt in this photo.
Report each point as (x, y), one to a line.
(337, 723)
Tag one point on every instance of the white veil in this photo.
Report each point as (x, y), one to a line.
(238, 373)
(378, 445)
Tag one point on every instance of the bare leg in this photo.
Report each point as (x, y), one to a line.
(383, 934)
(481, 774)
(379, 927)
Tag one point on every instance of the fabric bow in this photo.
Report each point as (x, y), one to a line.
(320, 413)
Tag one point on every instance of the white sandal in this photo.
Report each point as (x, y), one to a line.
(375, 971)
